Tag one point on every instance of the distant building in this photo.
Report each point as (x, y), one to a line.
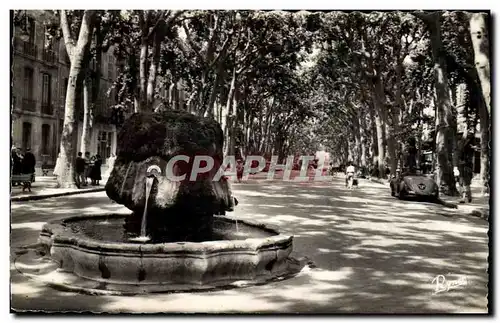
(40, 70)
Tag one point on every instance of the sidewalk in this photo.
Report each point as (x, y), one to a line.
(479, 207)
(46, 187)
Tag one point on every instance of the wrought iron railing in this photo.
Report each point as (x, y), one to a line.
(28, 48)
(49, 56)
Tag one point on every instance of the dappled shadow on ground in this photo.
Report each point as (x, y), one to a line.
(392, 249)
(31, 215)
(373, 254)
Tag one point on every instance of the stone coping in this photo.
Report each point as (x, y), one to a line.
(55, 233)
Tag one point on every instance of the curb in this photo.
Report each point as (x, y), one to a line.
(47, 196)
(479, 212)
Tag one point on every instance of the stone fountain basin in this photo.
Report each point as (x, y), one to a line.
(260, 255)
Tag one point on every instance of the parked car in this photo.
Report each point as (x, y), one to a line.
(415, 185)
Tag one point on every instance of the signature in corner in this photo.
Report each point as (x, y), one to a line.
(443, 285)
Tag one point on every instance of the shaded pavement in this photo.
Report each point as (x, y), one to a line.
(372, 254)
(47, 186)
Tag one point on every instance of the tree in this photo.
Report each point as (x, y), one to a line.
(104, 35)
(480, 41)
(76, 49)
(444, 114)
(460, 60)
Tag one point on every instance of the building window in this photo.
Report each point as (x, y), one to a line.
(46, 93)
(26, 135)
(28, 103)
(104, 144)
(45, 139)
(28, 83)
(61, 127)
(30, 29)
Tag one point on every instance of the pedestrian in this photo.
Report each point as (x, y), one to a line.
(80, 170)
(95, 172)
(88, 165)
(16, 163)
(28, 164)
(465, 151)
(349, 173)
(239, 170)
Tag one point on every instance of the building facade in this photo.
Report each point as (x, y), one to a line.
(40, 70)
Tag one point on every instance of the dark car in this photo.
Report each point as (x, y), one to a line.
(414, 185)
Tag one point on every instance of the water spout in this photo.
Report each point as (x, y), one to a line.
(149, 184)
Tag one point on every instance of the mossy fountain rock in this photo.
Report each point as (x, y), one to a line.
(177, 210)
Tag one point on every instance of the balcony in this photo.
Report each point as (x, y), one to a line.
(47, 108)
(29, 105)
(49, 57)
(28, 49)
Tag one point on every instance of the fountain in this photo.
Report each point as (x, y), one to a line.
(174, 239)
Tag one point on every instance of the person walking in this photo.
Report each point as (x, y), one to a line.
(95, 172)
(16, 163)
(28, 164)
(349, 173)
(80, 170)
(239, 170)
(88, 167)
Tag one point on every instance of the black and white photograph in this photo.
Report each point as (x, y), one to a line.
(250, 161)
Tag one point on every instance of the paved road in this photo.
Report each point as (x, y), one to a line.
(373, 254)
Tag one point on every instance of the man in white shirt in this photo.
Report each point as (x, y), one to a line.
(350, 171)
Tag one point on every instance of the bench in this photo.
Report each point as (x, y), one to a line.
(25, 179)
(46, 168)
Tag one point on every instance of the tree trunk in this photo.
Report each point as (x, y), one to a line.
(76, 53)
(444, 114)
(143, 79)
(461, 108)
(374, 145)
(229, 117)
(380, 122)
(462, 119)
(363, 139)
(484, 123)
(398, 118)
(219, 76)
(153, 70)
(87, 115)
(480, 42)
(357, 142)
